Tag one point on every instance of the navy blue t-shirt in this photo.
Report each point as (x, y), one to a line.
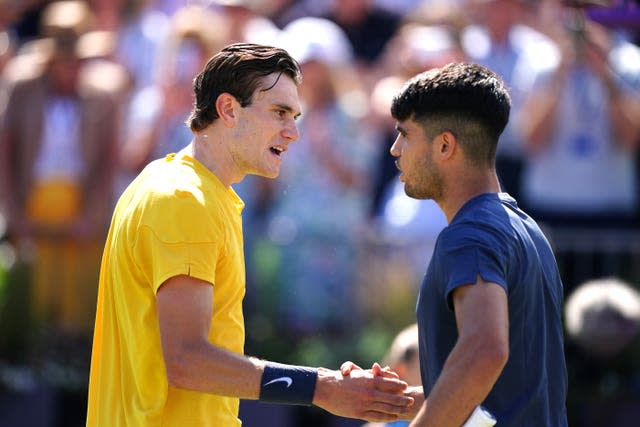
(491, 237)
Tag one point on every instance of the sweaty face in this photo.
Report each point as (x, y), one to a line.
(415, 160)
(266, 127)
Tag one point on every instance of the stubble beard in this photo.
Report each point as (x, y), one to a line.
(428, 185)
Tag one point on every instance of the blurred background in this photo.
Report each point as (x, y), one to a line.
(90, 91)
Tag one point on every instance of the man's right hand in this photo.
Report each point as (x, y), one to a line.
(362, 395)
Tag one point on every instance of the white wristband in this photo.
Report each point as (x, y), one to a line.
(480, 417)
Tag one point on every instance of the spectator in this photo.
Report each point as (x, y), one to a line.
(246, 22)
(507, 43)
(602, 318)
(330, 168)
(582, 132)
(156, 124)
(141, 28)
(59, 142)
(367, 26)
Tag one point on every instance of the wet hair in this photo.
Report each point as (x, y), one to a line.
(238, 69)
(466, 99)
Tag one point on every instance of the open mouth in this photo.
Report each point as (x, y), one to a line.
(277, 150)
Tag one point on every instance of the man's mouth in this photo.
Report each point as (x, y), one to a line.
(277, 150)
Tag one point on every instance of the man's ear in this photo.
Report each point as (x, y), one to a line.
(448, 144)
(226, 107)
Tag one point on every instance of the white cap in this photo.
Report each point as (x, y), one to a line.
(320, 39)
(603, 315)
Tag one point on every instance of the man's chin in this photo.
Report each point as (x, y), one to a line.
(269, 174)
(414, 194)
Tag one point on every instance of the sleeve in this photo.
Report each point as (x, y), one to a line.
(179, 236)
(470, 252)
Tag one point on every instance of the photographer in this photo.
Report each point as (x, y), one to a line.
(583, 128)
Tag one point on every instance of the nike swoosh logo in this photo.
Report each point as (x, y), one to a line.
(287, 380)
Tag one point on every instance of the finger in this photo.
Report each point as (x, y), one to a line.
(376, 370)
(389, 409)
(347, 367)
(380, 411)
(391, 403)
(388, 373)
(389, 385)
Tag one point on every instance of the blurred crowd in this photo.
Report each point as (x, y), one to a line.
(90, 91)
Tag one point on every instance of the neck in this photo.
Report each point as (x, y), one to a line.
(212, 153)
(464, 186)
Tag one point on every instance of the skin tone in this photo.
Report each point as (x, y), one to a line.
(435, 167)
(253, 140)
(408, 371)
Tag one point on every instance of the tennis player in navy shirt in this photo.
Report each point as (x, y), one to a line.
(489, 308)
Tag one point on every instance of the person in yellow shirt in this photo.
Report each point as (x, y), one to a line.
(169, 333)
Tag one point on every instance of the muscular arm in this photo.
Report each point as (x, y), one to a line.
(477, 359)
(185, 307)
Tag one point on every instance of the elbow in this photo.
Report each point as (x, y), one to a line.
(180, 365)
(492, 357)
(501, 355)
(177, 373)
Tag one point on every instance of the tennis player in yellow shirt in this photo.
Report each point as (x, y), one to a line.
(169, 333)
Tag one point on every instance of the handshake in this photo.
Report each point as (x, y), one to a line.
(376, 394)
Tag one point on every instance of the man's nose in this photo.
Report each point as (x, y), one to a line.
(291, 132)
(395, 148)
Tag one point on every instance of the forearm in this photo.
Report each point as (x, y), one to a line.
(539, 122)
(624, 112)
(467, 378)
(540, 111)
(213, 370)
(206, 368)
(184, 313)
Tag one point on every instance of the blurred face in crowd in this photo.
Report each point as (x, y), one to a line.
(317, 90)
(188, 61)
(499, 24)
(265, 128)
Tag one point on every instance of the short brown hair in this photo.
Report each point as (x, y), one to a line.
(237, 69)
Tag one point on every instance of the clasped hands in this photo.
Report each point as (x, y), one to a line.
(376, 394)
